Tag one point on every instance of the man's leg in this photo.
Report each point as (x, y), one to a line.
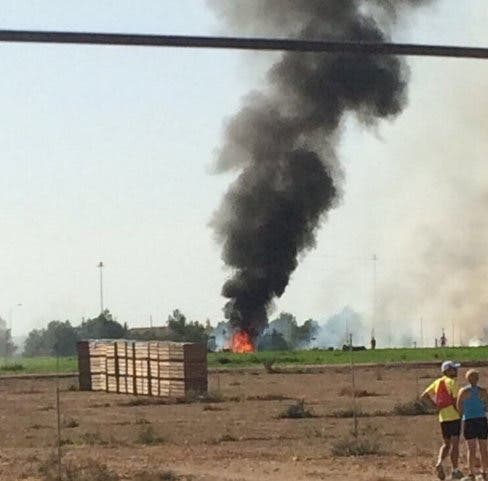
(444, 451)
(455, 452)
(483, 444)
(443, 454)
(471, 456)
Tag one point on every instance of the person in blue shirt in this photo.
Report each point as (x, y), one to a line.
(472, 402)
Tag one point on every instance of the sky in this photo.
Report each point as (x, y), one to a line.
(106, 155)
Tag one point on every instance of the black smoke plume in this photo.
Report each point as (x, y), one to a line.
(283, 140)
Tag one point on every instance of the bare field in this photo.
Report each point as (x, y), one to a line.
(237, 434)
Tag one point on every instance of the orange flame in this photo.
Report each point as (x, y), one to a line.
(242, 343)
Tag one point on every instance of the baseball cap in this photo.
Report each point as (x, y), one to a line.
(450, 365)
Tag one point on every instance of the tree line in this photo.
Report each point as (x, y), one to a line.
(59, 338)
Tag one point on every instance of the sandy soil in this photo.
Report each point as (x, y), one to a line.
(242, 438)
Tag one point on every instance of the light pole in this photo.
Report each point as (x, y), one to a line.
(373, 323)
(101, 266)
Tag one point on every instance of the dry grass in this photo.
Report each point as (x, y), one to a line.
(154, 476)
(296, 411)
(268, 397)
(70, 423)
(352, 446)
(359, 393)
(347, 413)
(81, 470)
(148, 436)
(93, 439)
(412, 408)
(209, 407)
(226, 438)
(142, 421)
(204, 397)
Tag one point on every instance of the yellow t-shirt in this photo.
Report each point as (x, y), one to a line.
(450, 413)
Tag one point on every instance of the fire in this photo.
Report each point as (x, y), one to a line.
(242, 343)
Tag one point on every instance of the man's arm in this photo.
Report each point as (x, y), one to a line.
(460, 401)
(426, 398)
(484, 397)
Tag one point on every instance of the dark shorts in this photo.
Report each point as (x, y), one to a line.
(451, 429)
(476, 428)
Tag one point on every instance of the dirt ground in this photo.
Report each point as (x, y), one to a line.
(239, 438)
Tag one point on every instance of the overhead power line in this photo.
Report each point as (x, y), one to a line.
(240, 43)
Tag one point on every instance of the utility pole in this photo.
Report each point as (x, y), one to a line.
(421, 332)
(101, 266)
(373, 321)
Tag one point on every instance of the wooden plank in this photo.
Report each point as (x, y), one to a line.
(149, 383)
(126, 370)
(159, 374)
(134, 376)
(117, 373)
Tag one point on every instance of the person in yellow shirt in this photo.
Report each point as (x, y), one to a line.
(442, 395)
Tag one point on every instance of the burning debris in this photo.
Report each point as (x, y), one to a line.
(283, 141)
(242, 343)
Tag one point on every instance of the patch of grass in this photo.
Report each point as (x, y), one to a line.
(268, 366)
(296, 411)
(145, 401)
(204, 397)
(142, 421)
(37, 426)
(347, 413)
(148, 436)
(45, 365)
(70, 423)
(378, 356)
(269, 397)
(93, 439)
(99, 405)
(155, 476)
(363, 445)
(359, 393)
(209, 407)
(412, 408)
(85, 470)
(226, 438)
(223, 360)
(12, 367)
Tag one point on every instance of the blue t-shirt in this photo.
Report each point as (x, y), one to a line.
(473, 406)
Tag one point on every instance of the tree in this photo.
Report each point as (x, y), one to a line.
(102, 327)
(183, 331)
(286, 325)
(35, 344)
(7, 346)
(306, 333)
(294, 335)
(57, 339)
(273, 341)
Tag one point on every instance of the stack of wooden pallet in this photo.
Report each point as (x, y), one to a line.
(154, 368)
